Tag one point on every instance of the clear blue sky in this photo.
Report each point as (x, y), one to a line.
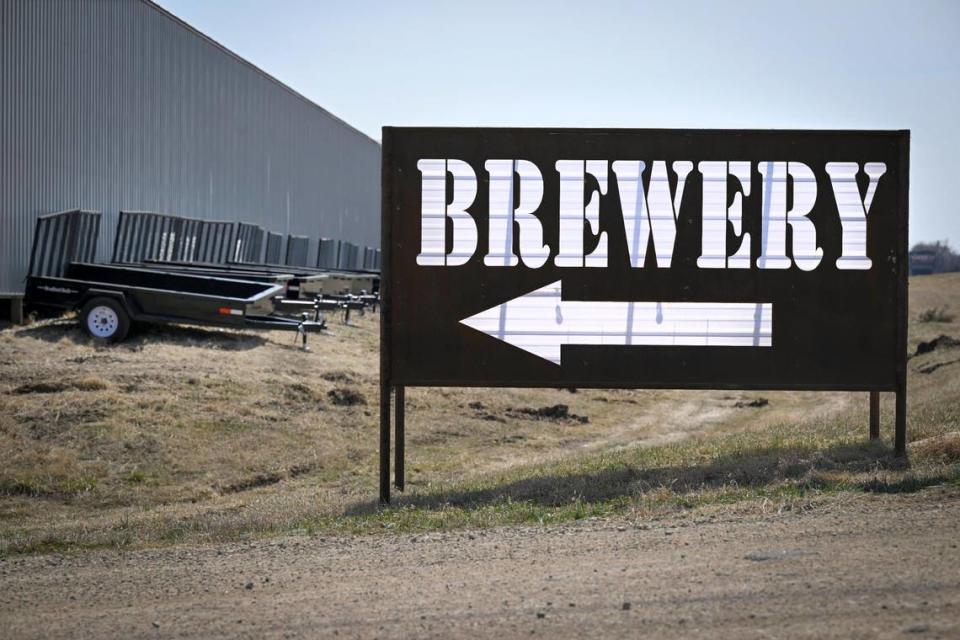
(743, 64)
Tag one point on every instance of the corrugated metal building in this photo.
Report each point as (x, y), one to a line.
(117, 104)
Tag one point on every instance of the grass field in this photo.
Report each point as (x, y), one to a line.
(185, 434)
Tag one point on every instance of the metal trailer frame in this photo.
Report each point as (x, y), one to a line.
(60, 277)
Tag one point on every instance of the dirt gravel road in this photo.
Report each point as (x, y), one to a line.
(867, 567)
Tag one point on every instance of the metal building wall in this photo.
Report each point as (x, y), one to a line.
(116, 104)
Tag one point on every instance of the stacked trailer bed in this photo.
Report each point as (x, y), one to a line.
(300, 293)
(304, 282)
(150, 239)
(304, 292)
(298, 284)
(244, 251)
(334, 281)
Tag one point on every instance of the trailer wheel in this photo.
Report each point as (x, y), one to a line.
(105, 320)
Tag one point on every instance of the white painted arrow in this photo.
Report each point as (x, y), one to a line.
(540, 322)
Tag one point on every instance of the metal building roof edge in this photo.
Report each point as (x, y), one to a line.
(183, 23)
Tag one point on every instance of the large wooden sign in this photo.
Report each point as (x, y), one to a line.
(645, 258)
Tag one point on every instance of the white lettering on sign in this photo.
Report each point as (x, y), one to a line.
(533, 251)
(716, 215)
(853, 209)
(654, 214)
(647, 213)
(434, 213)
(573, 213)
(806, 253)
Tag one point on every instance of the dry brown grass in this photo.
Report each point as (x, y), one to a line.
(198, 434)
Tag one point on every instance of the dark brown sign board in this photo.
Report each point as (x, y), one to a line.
(638, 258)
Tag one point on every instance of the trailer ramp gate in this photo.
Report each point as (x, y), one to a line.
(274, 248)
(298, 247)
(249, 243)
(145, 236)
(62, 238)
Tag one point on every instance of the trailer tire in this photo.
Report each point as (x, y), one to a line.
(105, 320)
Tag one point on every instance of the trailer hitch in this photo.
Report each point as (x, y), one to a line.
(303, 334)
(304, 317)
(306, 326)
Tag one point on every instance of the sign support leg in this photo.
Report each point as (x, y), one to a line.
(384, 444)
(874, 415)
(400, 440)
(900, 439)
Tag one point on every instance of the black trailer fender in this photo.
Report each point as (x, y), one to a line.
(92, 293)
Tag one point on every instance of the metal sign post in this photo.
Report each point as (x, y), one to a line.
(615, 258)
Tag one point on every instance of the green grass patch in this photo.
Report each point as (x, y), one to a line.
(783, 465)
(136, 477)
(47, 486)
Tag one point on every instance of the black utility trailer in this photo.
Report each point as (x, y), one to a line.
(111, 297)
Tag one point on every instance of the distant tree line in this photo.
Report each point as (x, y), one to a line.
(933, 257)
